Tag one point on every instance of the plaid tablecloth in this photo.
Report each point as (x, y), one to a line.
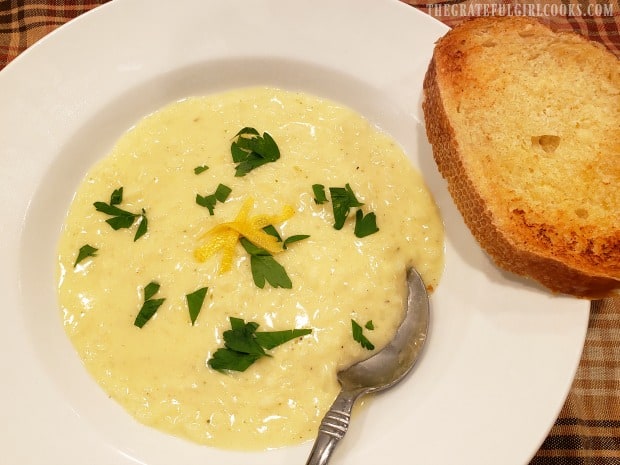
(587, 432)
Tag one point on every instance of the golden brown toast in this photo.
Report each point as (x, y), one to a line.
(525, 127)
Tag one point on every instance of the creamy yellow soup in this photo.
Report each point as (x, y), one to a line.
(159, 372)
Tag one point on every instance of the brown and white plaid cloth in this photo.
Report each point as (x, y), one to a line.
(587, 432)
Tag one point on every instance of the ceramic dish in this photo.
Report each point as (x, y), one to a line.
(501, 353)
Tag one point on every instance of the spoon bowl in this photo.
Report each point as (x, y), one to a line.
(381, 371)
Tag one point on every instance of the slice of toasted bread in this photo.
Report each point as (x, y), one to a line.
(525, 127)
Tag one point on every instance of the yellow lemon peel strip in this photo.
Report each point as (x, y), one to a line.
(260, 221)
(224, 236)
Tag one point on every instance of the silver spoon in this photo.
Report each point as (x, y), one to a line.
(381, 371)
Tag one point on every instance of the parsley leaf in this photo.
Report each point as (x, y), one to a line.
(343, 199)
(319, 193)
(200, 169)
(365, 225)
(147, 311)
(150, 290)
(243, 345)
(195, 301)
(85, 252)
(270, 229)
(114, 211)
(122, 219)
(296, 238)
(220, 195)
(252, 249)
(207, 201)
(117, 196)
(358, 335)
(150, 306)
(142, 226)
(369, 325)
(250, 150)
(228, 359)
(265, 268)
(238, 153)
(272, 339)
(241, 337)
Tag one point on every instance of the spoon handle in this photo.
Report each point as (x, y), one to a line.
(333, 428)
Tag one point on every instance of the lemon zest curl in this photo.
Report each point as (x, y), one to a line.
(224, 236)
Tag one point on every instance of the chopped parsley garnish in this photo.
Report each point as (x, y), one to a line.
(200, 169)
(243, 345)
(208, 201)
(122, 219)
(365, 225)
(117, 196)
(295, 238)
(142, 227)
(150, 290)
(358, 334)
(319, 193)
(85, 252)
(250, 150)
(195, 301)
(270, 229)
(272, 339)
(150, 305)
(343, 199)
(228, 359)
(265, 268)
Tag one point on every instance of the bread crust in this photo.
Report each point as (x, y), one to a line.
(519, 246)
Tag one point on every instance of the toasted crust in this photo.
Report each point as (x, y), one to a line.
(525, 127)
